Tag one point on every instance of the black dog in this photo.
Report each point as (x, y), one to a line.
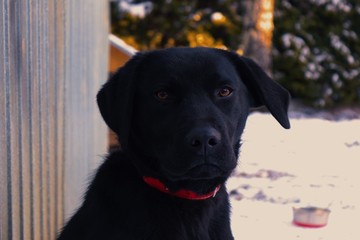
(179, 114)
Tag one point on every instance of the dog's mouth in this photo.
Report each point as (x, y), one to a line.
(204, 172)
(200, 179)
(198, 172)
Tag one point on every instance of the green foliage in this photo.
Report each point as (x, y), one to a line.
(181, 23)
(317, 49)
(316, 43)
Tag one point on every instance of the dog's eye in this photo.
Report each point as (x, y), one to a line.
(162, 95)
(225, 92)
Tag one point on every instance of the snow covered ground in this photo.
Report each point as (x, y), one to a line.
(315, 163)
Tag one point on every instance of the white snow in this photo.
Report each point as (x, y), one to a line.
(315, 163)
(136, 9)
(289, 39)
(334, 5)
(341, 46)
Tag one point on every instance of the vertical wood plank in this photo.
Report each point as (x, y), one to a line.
(59, 31)
(35, 170)
(14, 121)
(51, 103)
(24, 100)
(5, 217)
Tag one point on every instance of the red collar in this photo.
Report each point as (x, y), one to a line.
(182, 193)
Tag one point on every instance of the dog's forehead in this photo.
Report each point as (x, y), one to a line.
(189, 65)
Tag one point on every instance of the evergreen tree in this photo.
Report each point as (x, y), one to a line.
(213, 23)
(317, 50)
(316, 43)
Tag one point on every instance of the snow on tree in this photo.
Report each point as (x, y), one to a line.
(317, 50)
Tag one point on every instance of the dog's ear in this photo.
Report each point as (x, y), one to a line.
(115, 99)
(264, 89)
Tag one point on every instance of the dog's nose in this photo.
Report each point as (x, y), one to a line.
(203, 139)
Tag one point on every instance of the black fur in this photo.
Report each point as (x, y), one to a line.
(188, 140)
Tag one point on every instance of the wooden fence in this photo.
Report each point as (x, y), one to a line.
(53, 60)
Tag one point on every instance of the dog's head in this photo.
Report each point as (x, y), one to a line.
(181, 111)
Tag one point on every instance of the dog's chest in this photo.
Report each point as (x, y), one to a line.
(184, 221)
